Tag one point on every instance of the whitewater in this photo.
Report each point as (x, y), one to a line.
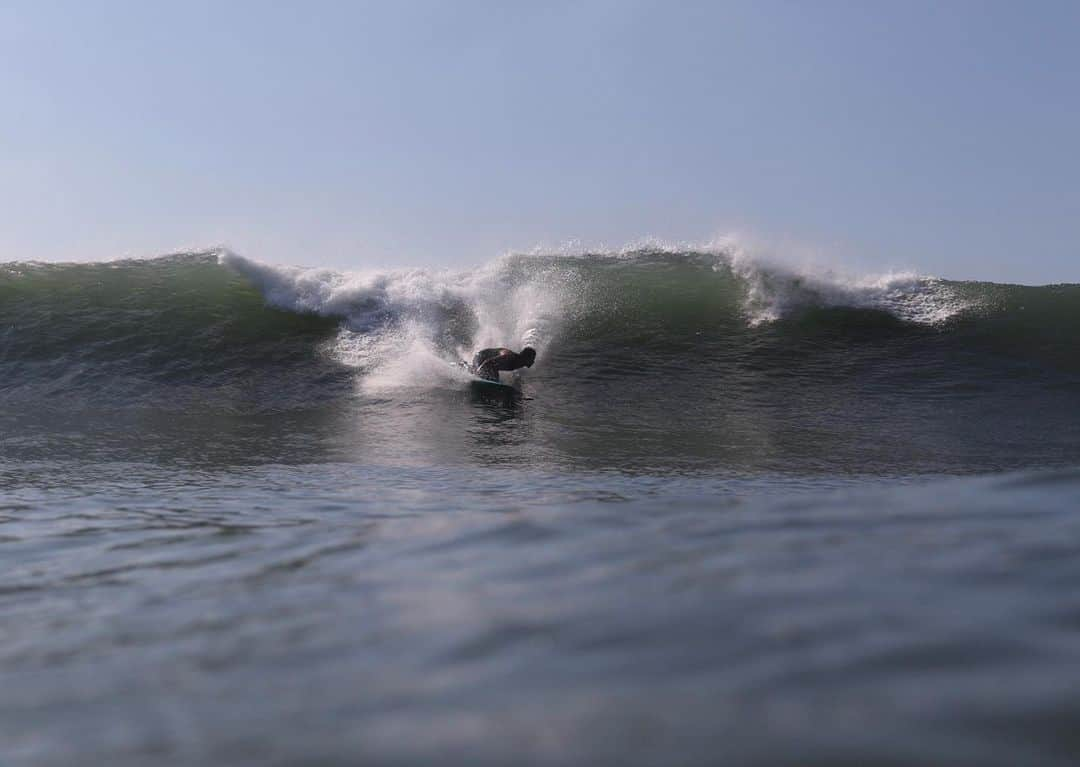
(737, 510)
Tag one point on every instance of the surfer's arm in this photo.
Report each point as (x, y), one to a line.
(490, 365)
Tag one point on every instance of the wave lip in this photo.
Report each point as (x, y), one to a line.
(763, 292)
(774, 292)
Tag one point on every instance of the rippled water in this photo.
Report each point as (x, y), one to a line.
(336, 613)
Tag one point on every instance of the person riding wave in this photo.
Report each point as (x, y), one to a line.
(488, 362)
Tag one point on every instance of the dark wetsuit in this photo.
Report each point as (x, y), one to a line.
(488, 362)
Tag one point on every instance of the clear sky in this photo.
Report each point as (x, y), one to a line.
(942, 136)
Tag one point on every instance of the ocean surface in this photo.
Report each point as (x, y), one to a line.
(736, 513)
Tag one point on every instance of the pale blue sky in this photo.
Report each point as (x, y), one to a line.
(941, 136)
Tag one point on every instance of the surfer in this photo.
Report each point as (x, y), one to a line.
(488, 362)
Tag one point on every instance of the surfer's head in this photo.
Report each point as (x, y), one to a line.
(528, 356)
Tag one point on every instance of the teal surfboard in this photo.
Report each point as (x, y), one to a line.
(484, 383)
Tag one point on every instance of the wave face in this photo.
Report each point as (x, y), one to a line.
(671, 346)
(176, 331)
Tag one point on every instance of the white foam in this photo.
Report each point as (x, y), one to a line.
(774, 290)
(396, 324)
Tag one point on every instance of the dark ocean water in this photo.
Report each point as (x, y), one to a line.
(734, 514)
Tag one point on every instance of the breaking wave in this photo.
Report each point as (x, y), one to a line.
(217, 325)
